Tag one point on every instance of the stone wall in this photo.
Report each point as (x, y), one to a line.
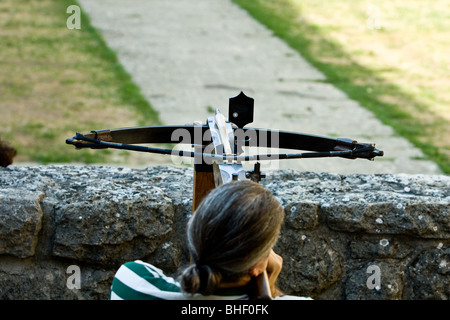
(345, 236)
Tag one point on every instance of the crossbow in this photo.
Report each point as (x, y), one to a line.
(219, 146)
(221, 141)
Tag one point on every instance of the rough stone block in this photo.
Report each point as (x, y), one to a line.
(112, 223)
(21, 221)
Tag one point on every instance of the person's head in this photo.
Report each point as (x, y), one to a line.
(230, 235)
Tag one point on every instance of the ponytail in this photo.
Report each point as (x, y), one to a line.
(200, 279)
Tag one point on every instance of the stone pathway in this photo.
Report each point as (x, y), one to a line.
(189, 57)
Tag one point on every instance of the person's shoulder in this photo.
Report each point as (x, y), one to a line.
(141, 266)
(147, 271)
(141, 280)
(138, 263)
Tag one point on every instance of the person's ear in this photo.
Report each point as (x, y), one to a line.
(258, 268)
(254, 272)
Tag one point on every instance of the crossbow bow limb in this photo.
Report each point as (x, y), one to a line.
(219, 148)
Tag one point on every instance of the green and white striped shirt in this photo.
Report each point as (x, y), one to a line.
(142, 281)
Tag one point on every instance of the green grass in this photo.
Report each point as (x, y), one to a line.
(128, 92)
(332, 36)
(55, 82)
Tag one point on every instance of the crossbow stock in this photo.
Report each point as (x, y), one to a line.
(219, 146)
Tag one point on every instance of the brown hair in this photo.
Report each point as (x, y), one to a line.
(233, 228)
(7, 154)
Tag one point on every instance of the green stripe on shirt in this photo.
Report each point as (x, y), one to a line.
(153, 276)
(127, 293)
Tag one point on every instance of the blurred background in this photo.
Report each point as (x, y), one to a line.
(392, 57)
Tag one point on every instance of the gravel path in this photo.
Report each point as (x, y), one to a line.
(190, 56)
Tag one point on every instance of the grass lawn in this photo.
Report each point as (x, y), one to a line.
(55, 81)
(392, 56)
